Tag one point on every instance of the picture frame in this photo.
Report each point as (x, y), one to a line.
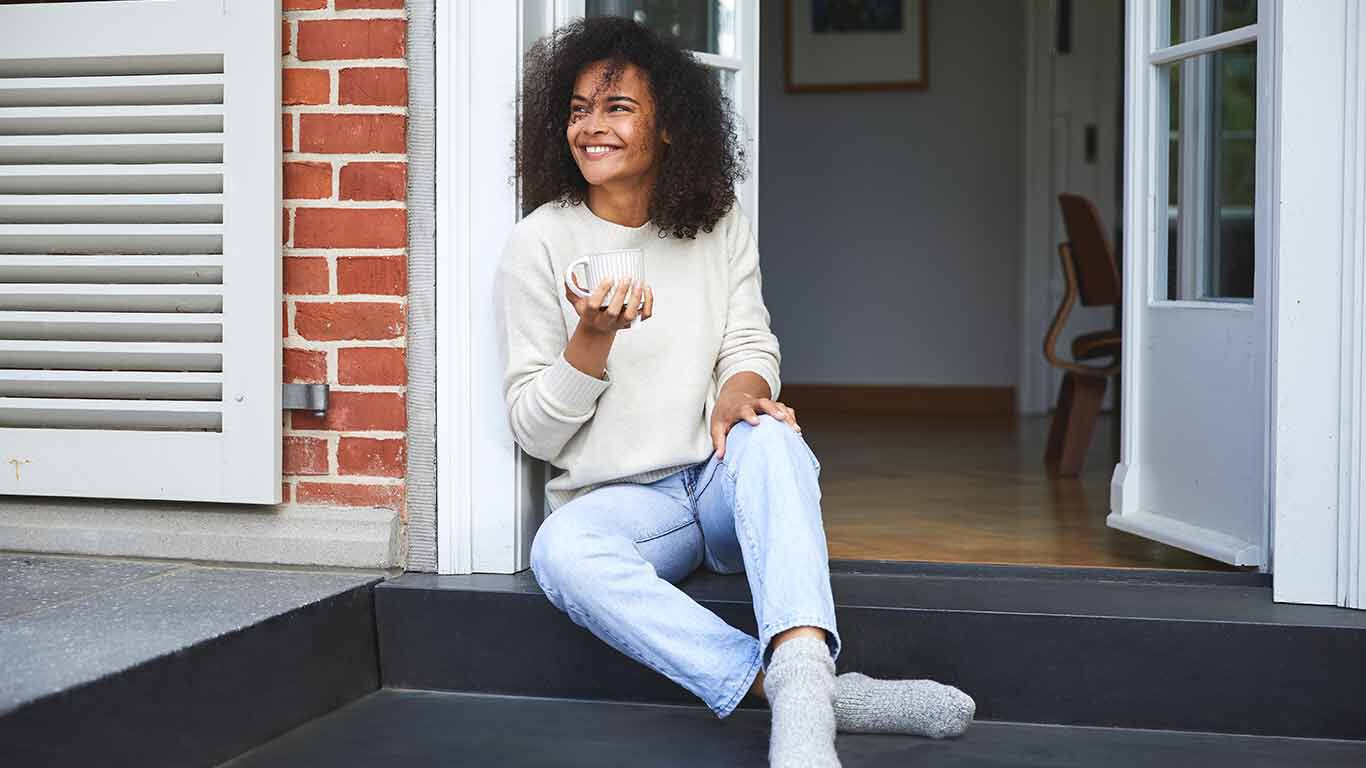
(856, 45)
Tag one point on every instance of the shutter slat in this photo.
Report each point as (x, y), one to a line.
(111, 355)
(112, 326)
(107, 238)
(117, 148)
(150, 178)
(110, 209)
(125, 385)
(113, 89)
(111, 297)
(120, 118)
(111, 268)
(36, 412)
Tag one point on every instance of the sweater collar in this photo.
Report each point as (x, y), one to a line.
(611, 226)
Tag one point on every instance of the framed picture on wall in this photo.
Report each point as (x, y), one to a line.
(857, 45)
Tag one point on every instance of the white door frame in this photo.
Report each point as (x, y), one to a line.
(1318, 415)
(479, 474)
(489, 493)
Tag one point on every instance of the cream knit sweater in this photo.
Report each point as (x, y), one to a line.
(649, 416)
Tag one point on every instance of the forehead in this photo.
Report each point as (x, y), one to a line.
(629, 81)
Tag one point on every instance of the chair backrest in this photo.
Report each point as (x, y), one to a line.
(1097, 272)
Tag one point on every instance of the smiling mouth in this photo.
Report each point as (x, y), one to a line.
(598, 151)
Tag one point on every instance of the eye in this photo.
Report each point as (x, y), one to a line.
(622, 107)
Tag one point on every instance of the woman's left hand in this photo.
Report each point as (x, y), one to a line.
(733, 405)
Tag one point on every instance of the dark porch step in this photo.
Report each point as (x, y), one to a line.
(425, 728)
(1185, 651)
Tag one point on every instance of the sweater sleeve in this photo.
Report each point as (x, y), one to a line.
(548, 400)
(748, 344)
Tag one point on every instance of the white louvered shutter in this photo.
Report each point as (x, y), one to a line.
(140, 322)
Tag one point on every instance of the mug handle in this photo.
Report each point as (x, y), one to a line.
(569, 277)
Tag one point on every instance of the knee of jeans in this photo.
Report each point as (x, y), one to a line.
(552, 549)
(773, 432)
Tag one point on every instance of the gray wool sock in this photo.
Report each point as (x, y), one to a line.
(800, 686)
(918, 707)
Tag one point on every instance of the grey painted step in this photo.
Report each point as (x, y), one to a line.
(127, 663)
(426, 728)
(1063, 646)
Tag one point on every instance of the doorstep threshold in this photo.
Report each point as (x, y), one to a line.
(986, 589)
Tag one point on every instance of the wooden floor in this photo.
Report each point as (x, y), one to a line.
(970, 491)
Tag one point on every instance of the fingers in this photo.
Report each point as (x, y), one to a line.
(617, 302)
(633, 302)
(780, 411)
(718, 437)
(599, 293)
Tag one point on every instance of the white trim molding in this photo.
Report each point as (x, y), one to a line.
(1319, 425)
(1351, 587)
(481, 509)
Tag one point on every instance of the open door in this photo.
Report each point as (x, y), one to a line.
(1194, 465)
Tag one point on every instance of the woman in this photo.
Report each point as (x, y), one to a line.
(677, 452)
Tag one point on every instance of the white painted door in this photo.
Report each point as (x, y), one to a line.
(1196, 291)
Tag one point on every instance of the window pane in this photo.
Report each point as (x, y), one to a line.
(726, 79)
(1211, 176)
(701, 25)
(1194, 19)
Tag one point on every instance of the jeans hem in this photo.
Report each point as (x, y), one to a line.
(776, 627)
(756, 663)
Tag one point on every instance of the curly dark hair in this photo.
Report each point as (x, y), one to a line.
(698, 170)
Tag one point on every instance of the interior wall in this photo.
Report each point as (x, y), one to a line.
(914, 195)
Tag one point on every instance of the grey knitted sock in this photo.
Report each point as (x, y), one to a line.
(800, 686)
(918, 707)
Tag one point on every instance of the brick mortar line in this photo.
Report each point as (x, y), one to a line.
(342, 298)
(355, 205)
(332, 14)
(378, 434)
(295, 341)
(349, 479)
(336, 65)
(345, 109)
(352, 479)
(345, 157)
(292, 251)
(298, 342)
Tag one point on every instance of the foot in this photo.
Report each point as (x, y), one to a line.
(918, 707)
(800, 686)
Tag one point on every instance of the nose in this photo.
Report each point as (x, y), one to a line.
(595, 122)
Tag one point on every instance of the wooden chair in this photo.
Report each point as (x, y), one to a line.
(1092, 275)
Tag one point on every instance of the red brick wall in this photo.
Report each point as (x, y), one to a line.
(345, 85)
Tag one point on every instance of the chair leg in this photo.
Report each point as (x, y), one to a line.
(1086, 397)
(1058, 428)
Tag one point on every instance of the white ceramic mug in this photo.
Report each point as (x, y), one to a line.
(625, 264)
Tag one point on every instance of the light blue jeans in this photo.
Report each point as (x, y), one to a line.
(610, 559)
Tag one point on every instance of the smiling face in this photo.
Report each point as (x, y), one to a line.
(611, 128)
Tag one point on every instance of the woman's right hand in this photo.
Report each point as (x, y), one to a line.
(619, 312)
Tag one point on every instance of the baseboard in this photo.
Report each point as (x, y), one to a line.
(333, 536)
(904, 400)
